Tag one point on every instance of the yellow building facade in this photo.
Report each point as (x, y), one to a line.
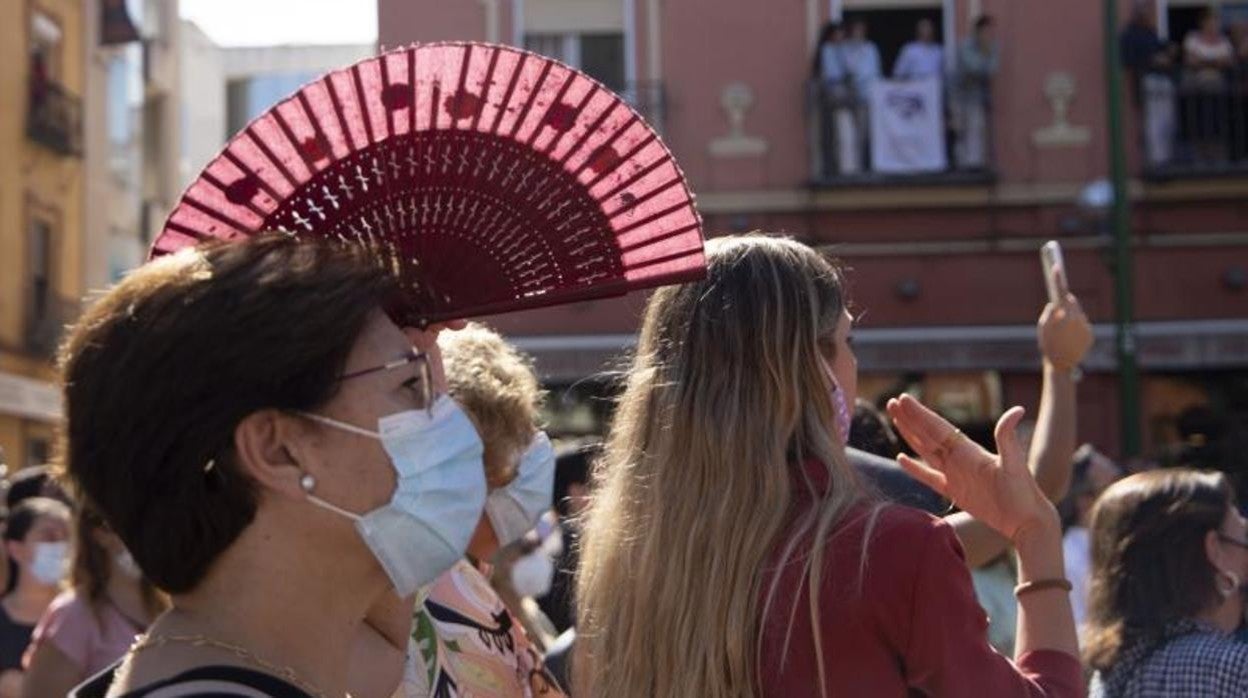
(42, 83)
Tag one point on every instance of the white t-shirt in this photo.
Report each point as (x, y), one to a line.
(1076, 548)
(919, 60)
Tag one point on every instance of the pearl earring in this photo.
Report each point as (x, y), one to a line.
(308, 483)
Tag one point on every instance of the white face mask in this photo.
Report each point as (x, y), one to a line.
(49, 564)
(426, 526)
(125, 563)
(532, 574)
(515, 508)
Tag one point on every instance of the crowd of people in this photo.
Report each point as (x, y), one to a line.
(1191, 95)
(847, 66)
(342, 505)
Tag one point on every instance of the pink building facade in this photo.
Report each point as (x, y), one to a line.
(943, 266)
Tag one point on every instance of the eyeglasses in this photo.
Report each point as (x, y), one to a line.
(421, 359)
(1232, 540)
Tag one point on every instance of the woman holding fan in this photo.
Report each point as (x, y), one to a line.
(255, 413)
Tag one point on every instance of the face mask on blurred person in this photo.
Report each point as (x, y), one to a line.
(126, 564)
(48, 565)
(515, 508)
(532, 574)
(426, 526)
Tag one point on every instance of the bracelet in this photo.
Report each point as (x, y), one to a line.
(1042, 585)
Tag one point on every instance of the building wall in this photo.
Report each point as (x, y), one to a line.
(940, 256)
(33, 177)
(207, 69)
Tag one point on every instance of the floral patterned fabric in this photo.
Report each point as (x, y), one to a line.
(466, 644)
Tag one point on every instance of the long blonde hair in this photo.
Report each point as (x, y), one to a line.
(728, 389)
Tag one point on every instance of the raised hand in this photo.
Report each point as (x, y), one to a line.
(1064, 333)
(997, 489)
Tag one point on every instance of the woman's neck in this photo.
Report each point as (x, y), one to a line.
(29, 599)
(272, 597)
(1226, 616)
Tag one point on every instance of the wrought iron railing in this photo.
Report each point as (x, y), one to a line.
(54, 117)
(1196, 125)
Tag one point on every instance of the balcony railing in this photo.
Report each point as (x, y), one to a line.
(953, 146)
(1195, 126)
(54, 117)
(46, 319)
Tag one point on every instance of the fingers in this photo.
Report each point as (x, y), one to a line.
(922, 422)
(924, 473)
(1008, 446)
(1059, 282)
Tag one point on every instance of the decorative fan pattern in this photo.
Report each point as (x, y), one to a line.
(487, 178)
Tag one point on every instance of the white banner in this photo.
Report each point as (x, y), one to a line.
(907, 127)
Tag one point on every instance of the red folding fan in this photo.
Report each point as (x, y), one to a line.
(489, 179)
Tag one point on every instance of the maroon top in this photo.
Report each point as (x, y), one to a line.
(911, 626)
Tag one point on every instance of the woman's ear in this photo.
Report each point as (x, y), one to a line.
(264, 442)
(1215, 551)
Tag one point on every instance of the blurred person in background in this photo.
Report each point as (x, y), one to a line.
(35, 481)
(1152, 64)
(837, 101)
(35, 541)
(978, 61)
(1208, 56)
(862, 57)
(571, 497)
(922, 58)
(728, 549)
(92, 624)
(524, 572)
(1169, 561)
(287, 469)
(871, 433)
(1093, 473)
(466, 640)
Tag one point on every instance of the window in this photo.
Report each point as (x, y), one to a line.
(38, 451)
(600, 55)
(39, 264)
(247, 98)
(124, 110)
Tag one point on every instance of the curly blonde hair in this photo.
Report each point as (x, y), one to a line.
(497, 387)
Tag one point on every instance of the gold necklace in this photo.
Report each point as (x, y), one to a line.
(145, 642)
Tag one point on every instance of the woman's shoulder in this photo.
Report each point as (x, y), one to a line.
(893, 534)
(1207, 647)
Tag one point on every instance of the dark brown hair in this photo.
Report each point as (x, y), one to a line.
(160, 370)
(1149, 566)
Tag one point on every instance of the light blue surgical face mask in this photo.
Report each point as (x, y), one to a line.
(515, 508)
(429, 521)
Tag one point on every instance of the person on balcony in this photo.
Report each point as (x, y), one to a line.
(838, 125)
(862, 58)
(1151, 62)
(978, 61)
(922, 58)
(1207, 57)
